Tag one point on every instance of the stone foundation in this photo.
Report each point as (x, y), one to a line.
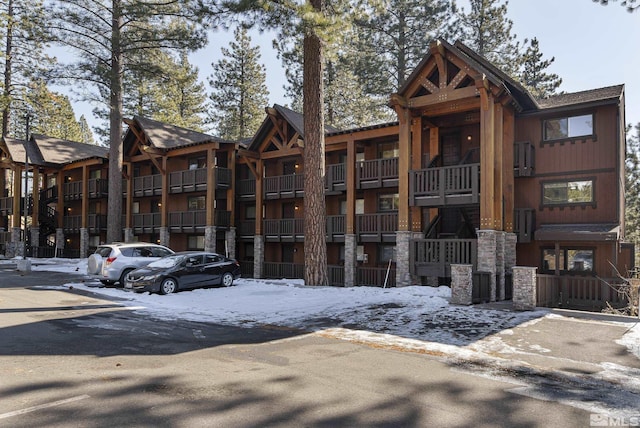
(165, 236)
(524, 288)
(230, 240)
(128, 234)
(350, 260)
(84, 242)
(210, 239)
(403, 275)
(461, 284)
(258, 255)
(59, 241)
(500, 256)
(487, 256)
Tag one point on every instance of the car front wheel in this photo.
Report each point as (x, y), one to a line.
(168, 286)
(227, 279)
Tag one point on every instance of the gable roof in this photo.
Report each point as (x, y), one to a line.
(50, 151)
(165, 136)
(609, 94)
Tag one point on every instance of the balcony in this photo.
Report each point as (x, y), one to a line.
(98, 188)
(336, 228)
(278, 270)
(149, 185)
(72, 191)
(376, 276)
(72, 223)
(187, 221)
(284, 230)
(335, 178)
(284, 186)
(195, 180)
(377, 173)
(433, 257)
(96, 223)
(523, 159)
(146, 223)
(49, 194)
(523, 227)
(445, 186)
(246, 189)
(380, 227)
(6, 206)
(246, 230)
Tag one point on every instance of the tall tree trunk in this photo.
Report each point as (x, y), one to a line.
(114, 203)
(7, 71)
(315, 247)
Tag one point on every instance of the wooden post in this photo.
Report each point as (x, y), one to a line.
(350, 220)
(60, 206)
(403, 167)
(17, 192)
(164, 211)
(498, 168)
(36, 197)
(259, 196)
(434, 150)
(129, 202)
(231, 205)
(211, 187)
(416, 163)
(508, 141)
(487, 158)
(85, 197)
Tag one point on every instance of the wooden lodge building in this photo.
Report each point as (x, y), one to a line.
(474, 171)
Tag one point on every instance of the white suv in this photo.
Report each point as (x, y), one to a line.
(112, 262)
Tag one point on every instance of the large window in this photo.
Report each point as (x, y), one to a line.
(388, 202)
(568, 260)
(567, 192)
(196, 203)
(568, 127)
(197, 162)
(388, 150)
(195, 242)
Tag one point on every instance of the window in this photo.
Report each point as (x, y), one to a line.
(196, 203)
(568, 127)
(567, 192)
(386, 253)
(197, 162)
(388, 150)
(568, 260)
(135, 208)
(388, 202)
(96, 173)
(195, 242)
(250, 212)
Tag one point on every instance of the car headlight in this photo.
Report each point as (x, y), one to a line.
(149, 277)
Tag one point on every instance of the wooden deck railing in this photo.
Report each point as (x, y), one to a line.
(433, 257)
(246, 188)
(336, 275)
(278, 270)
(49, 194)
(72, 223)
(286, 229)
(377, 227)
(148, 185)
(445, 186)
(72, 190)
(246, 229)
(190, 180)
(377, 173)
(336, 227)
(283, 186)
(187, 221)
(335, 177)
(523, 159)
(146, 222)
(96, 223)
(98, 187)
(524, 224)
(6, 206)
(578, 292)
(375, 276)
(222, 219)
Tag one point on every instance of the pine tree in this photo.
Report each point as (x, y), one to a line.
(632, 190)
(85, 131)
(107, 35)
(487, 30)
(53, 115)
(533, 75)
(631, 5)
(239, 92)
(24, 38)
(181, 101)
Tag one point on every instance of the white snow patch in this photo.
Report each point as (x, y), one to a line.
(631, 339)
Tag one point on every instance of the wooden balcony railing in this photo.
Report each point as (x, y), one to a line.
(445, 186)
(336, 178)
(246, 188)
(433, 257)
(223, 178)
(148, 185)
(146, 223)
(6, 206)
(524, 223)
(222, 219)
(283, 186)
(376, 276)
(579, 292)
(376, 173)
(49, 194)
(96, 223)
(284, 230)
(72, 190)
(523, 159)
(380, 227)
(278, 270)
(187, 221)
(336, 275)
(72, 223)
(195, 180)
(246, 229)
(336, 228)
(98, 187)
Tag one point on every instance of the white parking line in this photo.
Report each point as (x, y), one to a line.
(42, 406)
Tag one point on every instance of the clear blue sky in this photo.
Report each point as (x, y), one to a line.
(593, 45)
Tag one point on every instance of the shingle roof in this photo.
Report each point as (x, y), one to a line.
(164, 136)
(297, 120)
(15, 149)
(58, 151)
(592, 95)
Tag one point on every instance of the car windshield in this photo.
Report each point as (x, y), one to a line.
(166, 262)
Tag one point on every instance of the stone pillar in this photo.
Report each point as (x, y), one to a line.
(487, 256)
(350, 259)
(164, 236)
(403, 275)
(18, 244)
(35, 240)
(510, 240)
(210, 238)
(524, 288)
(461, 284)
(258, 255)
(84, 242)
(500, 271)
(230, 239)
(59, 241)
(128, 234)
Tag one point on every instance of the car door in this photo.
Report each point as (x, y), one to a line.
(192, 274)
(213, 269)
